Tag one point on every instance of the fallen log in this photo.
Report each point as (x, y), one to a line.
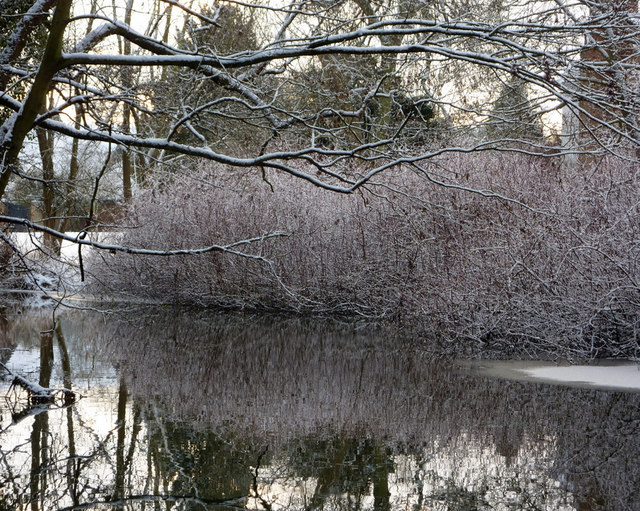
(37, 394)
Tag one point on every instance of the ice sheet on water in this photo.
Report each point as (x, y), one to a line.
(608, 374)
(614, 376)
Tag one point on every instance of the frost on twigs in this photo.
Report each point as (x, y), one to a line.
(499, 252)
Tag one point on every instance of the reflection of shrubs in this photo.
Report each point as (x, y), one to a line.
(554, 269)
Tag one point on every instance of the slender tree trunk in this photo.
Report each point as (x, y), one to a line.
(70, 208)
(120, 459)
(73, 463)
(40, 432)
(127, 166)
(156, 154)
(45, 146)
(127, 82)
(380, 479)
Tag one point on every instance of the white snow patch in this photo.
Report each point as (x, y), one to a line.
(53, 277)
(30, 243)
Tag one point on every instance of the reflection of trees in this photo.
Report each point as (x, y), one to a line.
(291, 377)
(344, 467)
(198, 462)
(599, 454)
(71, 464)
(54, 469)
(350, 423)
(40, 430)
(7, 345)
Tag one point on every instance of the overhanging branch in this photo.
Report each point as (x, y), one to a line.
(231, 248)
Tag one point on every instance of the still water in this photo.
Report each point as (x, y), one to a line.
(188, 411)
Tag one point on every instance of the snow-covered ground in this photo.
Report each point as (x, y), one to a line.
(31, 243)
(613, 377)
(54, 276)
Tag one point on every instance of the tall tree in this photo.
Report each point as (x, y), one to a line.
(249, 81)
(15, 129)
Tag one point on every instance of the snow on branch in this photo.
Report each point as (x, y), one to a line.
(18, 39)
(38, 394)
(231, 248)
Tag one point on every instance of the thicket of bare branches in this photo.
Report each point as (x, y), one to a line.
(341, 95)
(10, 267)
(545, 262)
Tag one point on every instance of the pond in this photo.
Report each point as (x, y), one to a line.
(187, 411)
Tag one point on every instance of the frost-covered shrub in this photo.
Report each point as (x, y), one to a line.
(8, 261)
(546, 260)
(6, 255)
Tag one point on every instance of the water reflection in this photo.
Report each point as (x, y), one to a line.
(184, 411)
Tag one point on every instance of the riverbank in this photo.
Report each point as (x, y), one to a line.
(542, 265)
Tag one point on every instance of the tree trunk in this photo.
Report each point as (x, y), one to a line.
(127, 164)
(45, 146)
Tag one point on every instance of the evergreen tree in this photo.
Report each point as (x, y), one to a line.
(513, 115)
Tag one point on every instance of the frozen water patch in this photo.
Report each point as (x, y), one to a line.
(609, 374)
(614, 377)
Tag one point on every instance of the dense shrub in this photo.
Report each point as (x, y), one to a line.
(8, 260)
(545, 261)
(6, 255)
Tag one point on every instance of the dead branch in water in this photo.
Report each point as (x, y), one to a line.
(38, 394)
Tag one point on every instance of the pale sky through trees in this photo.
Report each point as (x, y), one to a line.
(313, 88)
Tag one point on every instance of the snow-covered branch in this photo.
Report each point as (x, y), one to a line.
(234, 248)
(313, 88)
